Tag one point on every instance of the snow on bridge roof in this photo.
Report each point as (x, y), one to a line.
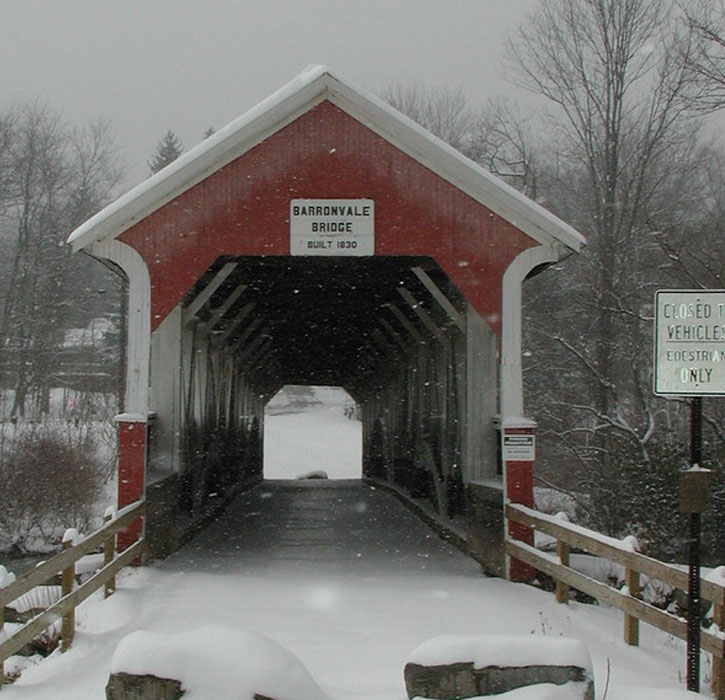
(314, 85)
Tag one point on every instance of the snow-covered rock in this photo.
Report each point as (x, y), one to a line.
(472, 666)
(214, 662)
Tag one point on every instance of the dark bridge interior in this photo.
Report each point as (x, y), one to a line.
(328, 321)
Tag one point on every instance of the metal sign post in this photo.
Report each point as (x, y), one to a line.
(690, 360)
(694, 613)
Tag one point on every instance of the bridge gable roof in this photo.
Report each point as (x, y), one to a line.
(312, 87)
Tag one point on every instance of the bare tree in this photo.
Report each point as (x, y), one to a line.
(704, 52)
(615, 84)
(688, 221)
(442, 111)
(54, 178)
(502, 140)
(498, 137)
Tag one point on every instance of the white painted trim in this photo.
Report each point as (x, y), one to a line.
(512, 385)
(453, 166)
(511, 376)
(513, 422)
(138, 347)
(310, 88)
(130, 418)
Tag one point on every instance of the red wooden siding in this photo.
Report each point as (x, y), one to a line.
(243, 209)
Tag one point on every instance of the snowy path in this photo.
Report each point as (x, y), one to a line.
(348, 580)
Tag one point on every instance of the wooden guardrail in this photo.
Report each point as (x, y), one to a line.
(628, 599)
(64, 564)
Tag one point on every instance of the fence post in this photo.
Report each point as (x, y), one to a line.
(631, 623)
(69, 619)
(108, 552)
(562, 590)
(718, 667)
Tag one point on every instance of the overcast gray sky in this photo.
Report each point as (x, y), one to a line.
(151, 65)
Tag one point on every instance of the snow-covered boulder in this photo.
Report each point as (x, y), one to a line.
(474, 666)
(211, 662)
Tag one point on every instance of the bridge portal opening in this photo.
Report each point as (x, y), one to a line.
(394, 332)
(312, 432)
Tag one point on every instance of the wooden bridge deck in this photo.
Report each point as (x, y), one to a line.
(319, 524)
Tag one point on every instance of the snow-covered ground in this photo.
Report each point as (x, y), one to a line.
(319, 438)
(347, 580)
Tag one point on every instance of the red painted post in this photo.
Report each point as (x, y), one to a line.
(518, 449)
(131, 470)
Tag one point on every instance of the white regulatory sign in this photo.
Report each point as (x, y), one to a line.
(332, 227)
(518, 448)
(689, 343)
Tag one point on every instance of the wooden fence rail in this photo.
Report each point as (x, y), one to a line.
(628, 599)
(64, 564)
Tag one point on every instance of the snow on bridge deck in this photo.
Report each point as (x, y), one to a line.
(351, 582)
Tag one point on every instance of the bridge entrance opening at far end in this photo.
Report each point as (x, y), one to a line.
(312, 432)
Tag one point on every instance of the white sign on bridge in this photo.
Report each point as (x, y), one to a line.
(332, 227)
(690, 343)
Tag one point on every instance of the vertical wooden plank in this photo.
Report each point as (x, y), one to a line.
(718, 667)
(165, 451)
(481, 394)
(631, 623)
(69, 619)
(562, 590)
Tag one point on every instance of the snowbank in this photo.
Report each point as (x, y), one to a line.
(502, 650)
(217, 662)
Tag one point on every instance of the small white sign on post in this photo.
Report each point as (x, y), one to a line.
(689, 343)
(518, 448)
(332, 227)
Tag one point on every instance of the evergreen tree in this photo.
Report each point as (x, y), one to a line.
(167, 151)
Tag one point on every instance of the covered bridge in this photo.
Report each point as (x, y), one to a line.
(324, 238)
